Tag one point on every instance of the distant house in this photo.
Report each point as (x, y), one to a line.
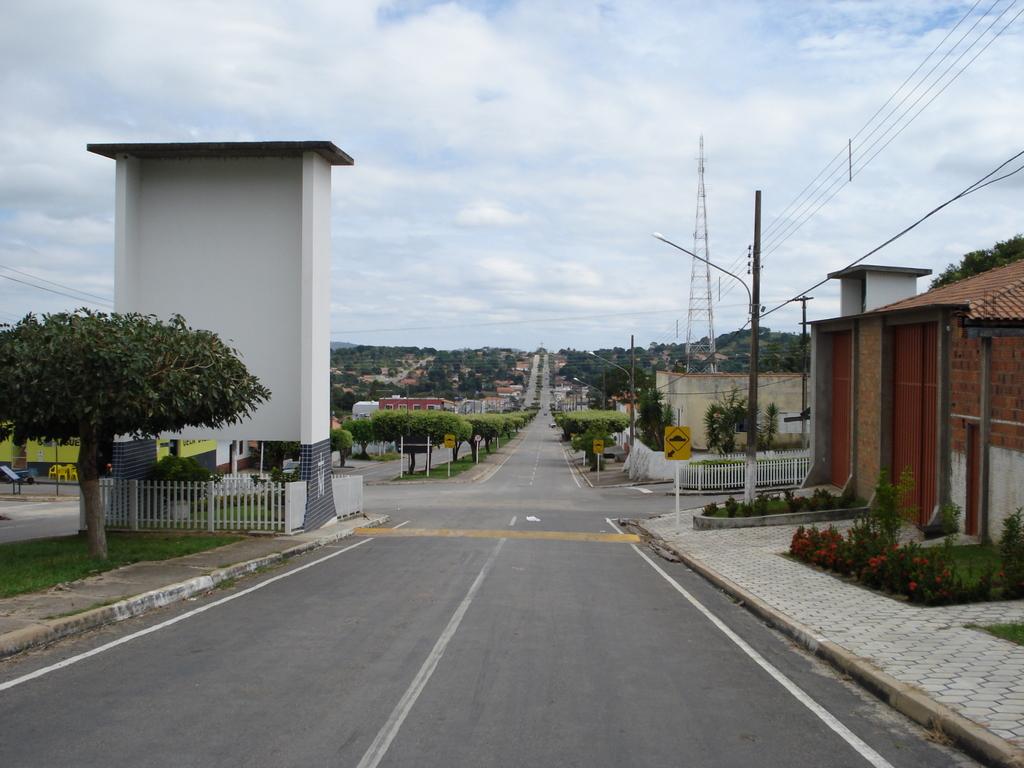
(495, 404)
(416, 404)
(931, 383)
(364, 409)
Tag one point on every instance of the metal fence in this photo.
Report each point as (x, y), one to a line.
(225, 505)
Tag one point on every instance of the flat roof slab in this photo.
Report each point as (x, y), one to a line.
(184, 150)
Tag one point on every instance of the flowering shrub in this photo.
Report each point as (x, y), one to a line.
(927, 576)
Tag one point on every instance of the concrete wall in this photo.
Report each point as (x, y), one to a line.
(690, 394)
(240, 246)
(883, 288)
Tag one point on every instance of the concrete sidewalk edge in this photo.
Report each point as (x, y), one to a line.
(51, 630)
(906, 699)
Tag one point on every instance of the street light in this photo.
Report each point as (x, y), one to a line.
(632, 397)
(755, 309)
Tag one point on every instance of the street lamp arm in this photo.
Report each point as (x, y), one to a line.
(613, 364)
(659, 236)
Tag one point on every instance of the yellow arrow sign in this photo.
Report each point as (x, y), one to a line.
(677, 443)
(599, 447)
(449, 441)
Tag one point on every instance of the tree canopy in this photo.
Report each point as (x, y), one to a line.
(96, 376)
(976, 262)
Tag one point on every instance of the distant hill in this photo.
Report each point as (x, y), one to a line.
(341, 345)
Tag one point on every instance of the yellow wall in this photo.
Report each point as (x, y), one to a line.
(196, 447)
(42, 452)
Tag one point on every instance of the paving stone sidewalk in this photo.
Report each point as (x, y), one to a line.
(973, 673)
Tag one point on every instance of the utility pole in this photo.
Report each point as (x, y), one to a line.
(803, 368)
(755, 311)
(632, 392)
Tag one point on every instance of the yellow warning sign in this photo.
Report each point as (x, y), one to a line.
(677, 443)
(599, 447)
(449, 441)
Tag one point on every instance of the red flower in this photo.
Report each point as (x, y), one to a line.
(912, 586)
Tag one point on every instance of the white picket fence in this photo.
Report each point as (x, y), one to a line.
(226, 505)
(771, 473)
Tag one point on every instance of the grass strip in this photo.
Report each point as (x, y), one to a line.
(440, 472)
(1012, 632)
(29, 566)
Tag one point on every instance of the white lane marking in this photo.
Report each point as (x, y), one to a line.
(798, 693)
(532, 519)
(642, 490)
(156, 627)
(571, 470)
(387, 734)
(401, 524)
(513, 520)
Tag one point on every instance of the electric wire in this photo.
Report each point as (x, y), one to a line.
(980, 184)
(774, 222)
(55, 283)
(51, 290)
(837, 178)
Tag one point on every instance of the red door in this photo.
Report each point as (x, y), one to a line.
(973, 480)
(842, 407)
(914, 417)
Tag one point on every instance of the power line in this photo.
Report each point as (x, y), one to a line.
(771, 226)
(836, 177)
(54, 282)
(51, 290)
(981, 183)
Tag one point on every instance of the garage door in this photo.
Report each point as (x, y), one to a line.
(914, 418)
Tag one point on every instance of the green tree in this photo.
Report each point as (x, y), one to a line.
(95, 376)
(341, 441)
(362, 433)
(976, 262)
(651, 418)
(276, 451)
(722, 418)
(768, 428)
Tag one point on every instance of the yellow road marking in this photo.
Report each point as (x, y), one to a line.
(473, 533)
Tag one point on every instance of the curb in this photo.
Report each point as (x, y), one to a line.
(903, 697)
(51, 630)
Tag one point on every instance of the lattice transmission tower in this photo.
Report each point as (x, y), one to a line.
(700, 323)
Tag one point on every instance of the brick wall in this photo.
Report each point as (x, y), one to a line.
(1007, 390)
(867, 407)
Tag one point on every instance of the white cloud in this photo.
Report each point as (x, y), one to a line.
(513, 157)
(488, 214)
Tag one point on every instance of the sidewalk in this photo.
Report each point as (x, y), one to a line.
(38, 618)
(923, 661)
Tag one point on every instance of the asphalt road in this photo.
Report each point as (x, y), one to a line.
(470, 649)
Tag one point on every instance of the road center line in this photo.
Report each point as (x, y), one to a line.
(513, 520)
(858, 744)
(387, 734)
(401, 524)
(156, 627)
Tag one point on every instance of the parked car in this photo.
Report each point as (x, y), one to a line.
(291, 465)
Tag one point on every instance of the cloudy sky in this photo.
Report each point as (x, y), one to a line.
(512, 158)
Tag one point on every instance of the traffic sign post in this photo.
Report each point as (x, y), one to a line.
(677, 448)
(449, 443)
(598, 447)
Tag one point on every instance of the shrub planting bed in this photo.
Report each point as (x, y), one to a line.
(870, 553)
(786, 503)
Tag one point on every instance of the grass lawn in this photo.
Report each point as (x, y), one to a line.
(28, 566)
(972, 560)
(440, 472)
(1012, 632)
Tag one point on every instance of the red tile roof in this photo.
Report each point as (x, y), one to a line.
(994, 295)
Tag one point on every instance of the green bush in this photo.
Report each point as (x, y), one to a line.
(1011, 549)
(181, 468)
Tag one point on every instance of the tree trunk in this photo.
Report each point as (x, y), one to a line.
(455, 452)
(473, 448)
(89, 484)
(412, 462)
